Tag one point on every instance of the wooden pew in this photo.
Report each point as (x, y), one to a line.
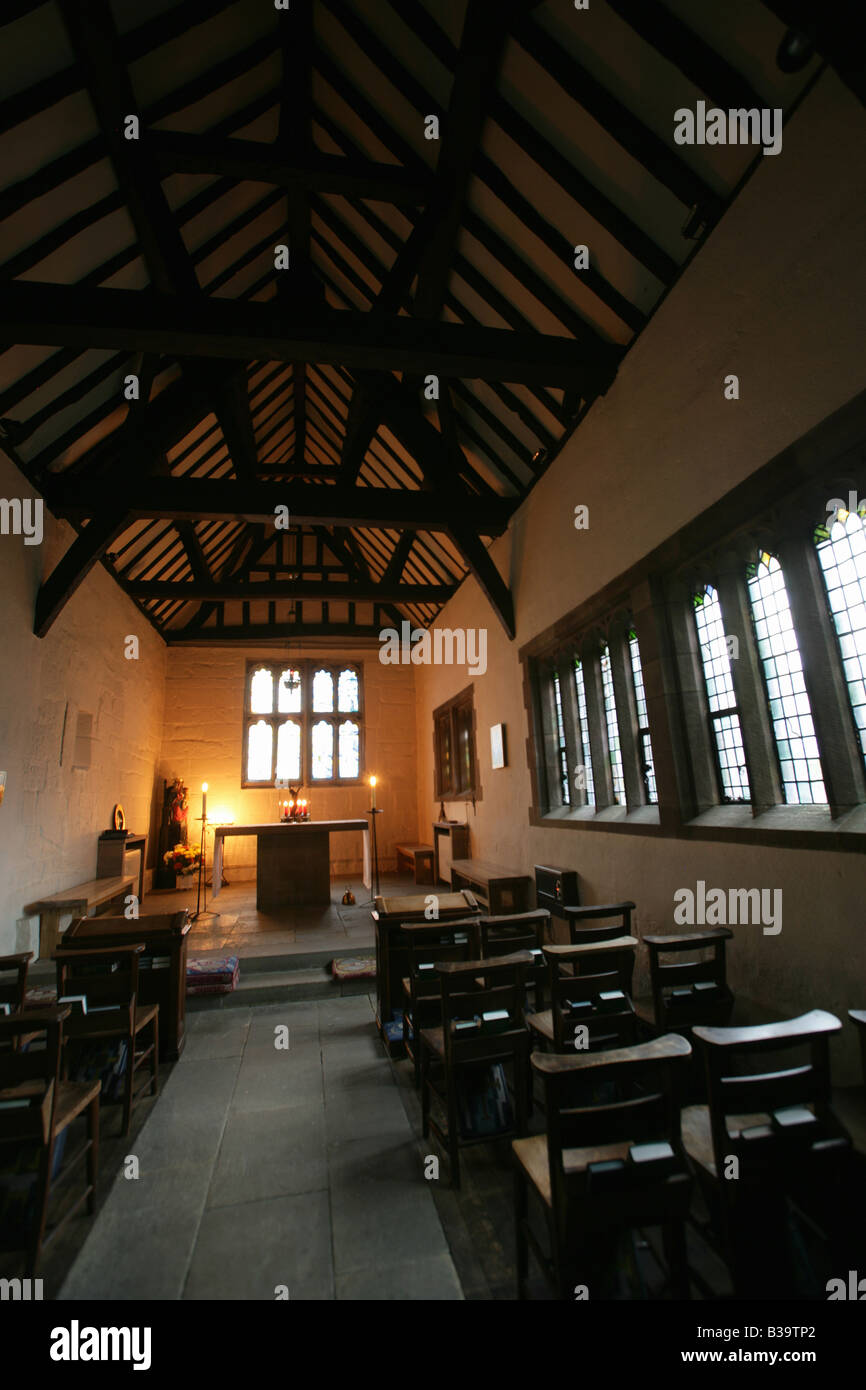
(417, 859)
(502, 890)
(80, 901)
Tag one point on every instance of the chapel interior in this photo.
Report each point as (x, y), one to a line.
(433, 687)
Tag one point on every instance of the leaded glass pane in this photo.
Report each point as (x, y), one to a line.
(648, 770)
(262, 691)
(260, 746)
(347, 692)
(791, 713)
(843, 561)
(289, 751)
(323, 692)
(580, 686)
(289, 694)
(564, 784)
(721, 696)
(349, 748)
(612, 729)
(323, 750)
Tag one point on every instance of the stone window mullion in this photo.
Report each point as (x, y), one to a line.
(697, 772)
(552, 794)
(626, 717)
(758, 740)
(571, 725)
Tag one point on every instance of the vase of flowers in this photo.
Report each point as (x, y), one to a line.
(182, 860)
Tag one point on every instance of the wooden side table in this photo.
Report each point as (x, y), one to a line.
(450, 841)
(115, 856)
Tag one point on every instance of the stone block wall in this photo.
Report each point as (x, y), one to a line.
(203, 742)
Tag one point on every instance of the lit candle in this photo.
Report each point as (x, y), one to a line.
(373, 790)
(204, 800)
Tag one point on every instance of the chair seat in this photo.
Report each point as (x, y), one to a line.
(72, 1098)
(89, 1026)
(531, 1154)
(698, 1135)
(542, 1024)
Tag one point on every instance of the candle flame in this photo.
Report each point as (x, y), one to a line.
(372, 781)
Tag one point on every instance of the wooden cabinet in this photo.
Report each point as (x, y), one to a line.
(450, 841)
(116, 858)
(161, 969)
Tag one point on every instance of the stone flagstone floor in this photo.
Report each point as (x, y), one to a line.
(262, 1167)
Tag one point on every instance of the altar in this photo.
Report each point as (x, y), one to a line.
(293, 860)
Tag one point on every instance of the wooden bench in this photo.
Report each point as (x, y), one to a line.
(418, 859)
(79, 902)
(502, 890)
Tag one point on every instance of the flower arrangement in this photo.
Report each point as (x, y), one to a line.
(182, 859)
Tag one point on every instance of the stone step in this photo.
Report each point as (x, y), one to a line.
(280, 986)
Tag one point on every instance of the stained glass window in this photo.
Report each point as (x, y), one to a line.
(289, 751)
(323, 750)
(289, 696)
(648, 767)
(284, 737)
(586, 752)
(842, 554)
(348, 748)
(721, 697)
(347, 691)
(790, 711)
(260, 751)
(262, 691)
(612, 729)
(564, 783)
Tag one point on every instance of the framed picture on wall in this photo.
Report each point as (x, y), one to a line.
(497, 745)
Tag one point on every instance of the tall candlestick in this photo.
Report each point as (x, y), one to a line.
(373, 791)
(204, 801)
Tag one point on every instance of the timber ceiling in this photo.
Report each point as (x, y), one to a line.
(408, 258)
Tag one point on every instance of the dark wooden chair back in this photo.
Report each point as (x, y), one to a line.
(590, 987)
(430, 942)
(32, 1075)
(472, 989)
(769, 1109)
(603, 922)
(107, 977)
(693, 991)
(13, 979)
(638, 1105)
(522, 931)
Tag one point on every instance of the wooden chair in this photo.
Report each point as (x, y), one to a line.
(13, 987)
(589, 987)
(686, 993)
(467, 1042)
(593, 924)
(523, 931)
(108, 979)
(36, 1108)
(768, 1130)
(604, 1166)
(427, 943)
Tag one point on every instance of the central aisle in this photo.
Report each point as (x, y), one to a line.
(262, 1167)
